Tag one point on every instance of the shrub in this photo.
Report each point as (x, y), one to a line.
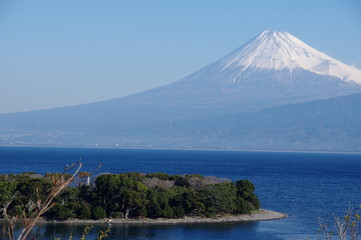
(219, 198)
(134, 175)
(98, 213)
(61, 212)
(81, 209)
(178, 212)
(57, 175)
(161, 176)
(118, 215)
(182, 182)
(168, 212)
(245, 190)
(242, 206)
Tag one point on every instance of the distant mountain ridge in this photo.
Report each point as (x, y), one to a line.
(274, 71)
(331, 125)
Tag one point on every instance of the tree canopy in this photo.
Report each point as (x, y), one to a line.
(154, 195)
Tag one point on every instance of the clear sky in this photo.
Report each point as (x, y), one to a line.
(68, 52)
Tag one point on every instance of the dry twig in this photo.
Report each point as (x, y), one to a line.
(58, 184)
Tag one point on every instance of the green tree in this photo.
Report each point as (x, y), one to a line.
(133, 195)
(124, 192)
(159, 200)
(37, 188)
(219, 198)
(98, 213)
(61, 212)
(7, 192)
(159, 175)
(245, 190)
(81, 209)
(106, 192)
(186, 199)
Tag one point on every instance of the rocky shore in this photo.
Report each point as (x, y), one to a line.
(260, 215)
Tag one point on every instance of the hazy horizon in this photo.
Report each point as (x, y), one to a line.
(68, 53)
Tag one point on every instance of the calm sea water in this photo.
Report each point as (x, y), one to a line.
(306, 186)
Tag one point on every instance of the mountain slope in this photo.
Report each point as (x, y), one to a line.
(332, 124)
(273, 69)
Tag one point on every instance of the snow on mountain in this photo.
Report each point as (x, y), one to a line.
(279, 51)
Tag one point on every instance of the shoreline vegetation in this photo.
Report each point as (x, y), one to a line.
(260, 215)
(131, 195)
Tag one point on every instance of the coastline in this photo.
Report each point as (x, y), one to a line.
(185, 149)
(261, 215)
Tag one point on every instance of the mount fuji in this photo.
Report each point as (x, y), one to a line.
(274, 70)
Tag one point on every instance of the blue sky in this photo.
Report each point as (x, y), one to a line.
(61, 53)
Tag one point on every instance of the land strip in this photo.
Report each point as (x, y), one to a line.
(260, 215)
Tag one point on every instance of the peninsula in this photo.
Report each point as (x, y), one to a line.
(138, 198)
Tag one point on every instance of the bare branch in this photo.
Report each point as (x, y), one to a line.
(59, 183)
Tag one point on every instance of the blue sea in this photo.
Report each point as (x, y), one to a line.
(306, 186)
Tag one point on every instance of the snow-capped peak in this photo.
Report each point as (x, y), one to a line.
(273, 50)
